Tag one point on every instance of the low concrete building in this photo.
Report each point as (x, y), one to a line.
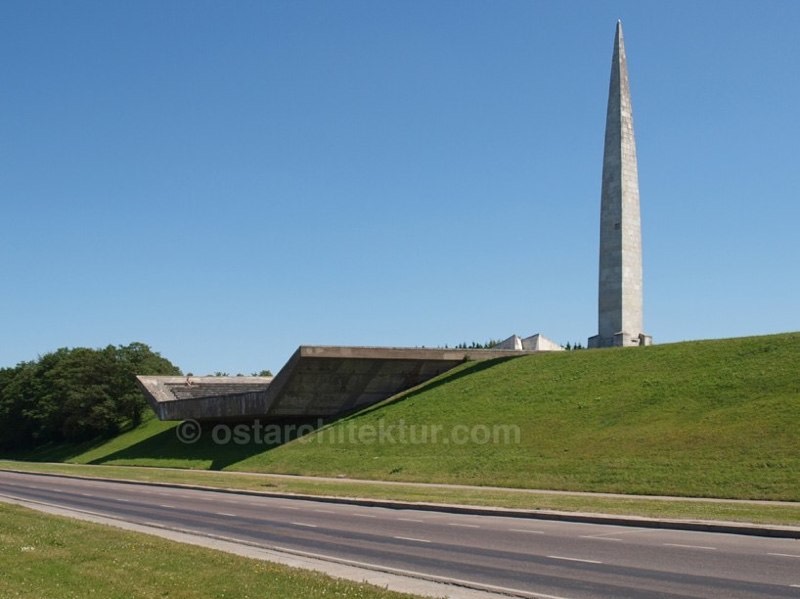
(316, 382)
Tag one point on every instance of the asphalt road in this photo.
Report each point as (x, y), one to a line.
(560, 559)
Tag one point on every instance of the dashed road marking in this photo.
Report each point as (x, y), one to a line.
(409, 520)
(574, 559)
(463, 525)
(305, 524)
(529, 531)
(618, 533)
(600, 538)
(783, 554)
(432, 577)
(690, 546)
(413, 539)
(225, 514)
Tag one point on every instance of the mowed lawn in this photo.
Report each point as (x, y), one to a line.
(716, 418)
(709, 418)
(50, 557)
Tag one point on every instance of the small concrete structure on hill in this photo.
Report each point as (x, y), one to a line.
(537, 342)
(316, 382)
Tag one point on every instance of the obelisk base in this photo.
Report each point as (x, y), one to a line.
(620, 340)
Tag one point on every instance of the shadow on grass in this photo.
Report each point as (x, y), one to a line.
(219, 451)
(54, 452)
(167, 449)
(219, 444)
(66, 451)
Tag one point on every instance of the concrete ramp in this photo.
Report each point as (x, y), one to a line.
(316, 382)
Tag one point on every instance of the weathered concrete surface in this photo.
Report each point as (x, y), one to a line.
(620, 286)
(221, 398)
(537, 342)
(316, 382)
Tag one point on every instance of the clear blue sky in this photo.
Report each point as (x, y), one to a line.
(225, 181)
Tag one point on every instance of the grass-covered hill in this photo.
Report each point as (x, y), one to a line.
(708, 418)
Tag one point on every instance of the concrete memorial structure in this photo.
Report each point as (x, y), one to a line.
(329, 382)
(620, 289)
(316, 382)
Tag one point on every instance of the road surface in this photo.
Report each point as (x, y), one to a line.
(548, 558)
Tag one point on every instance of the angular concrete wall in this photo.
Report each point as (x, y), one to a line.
(316, 382)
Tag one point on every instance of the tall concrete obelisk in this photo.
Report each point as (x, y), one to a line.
(620, 294)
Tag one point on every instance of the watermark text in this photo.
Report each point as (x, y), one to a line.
(350, 433)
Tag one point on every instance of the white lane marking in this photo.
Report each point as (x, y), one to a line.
(413, 539)
(304, 524)
(689, 546)
(325, 511)
(86, 494)
(795, 586)
(364, 515)
(529, 531)
(120, 499)
(415, 574)
(574, 559)
(618, 533)
(463, 525)
(287, 507)
(225, 514)
(600, 538)
(169, 507)
(409, 520)
(783, 554)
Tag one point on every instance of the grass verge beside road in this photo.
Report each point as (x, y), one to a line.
(673, 508)
(698, 419)
(49, 556)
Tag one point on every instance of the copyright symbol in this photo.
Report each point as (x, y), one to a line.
(188, 431)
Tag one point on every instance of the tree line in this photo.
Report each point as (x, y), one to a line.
(77, 394)
(477, 345)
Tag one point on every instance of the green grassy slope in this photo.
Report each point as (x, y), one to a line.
(714, 418)
(710, 418)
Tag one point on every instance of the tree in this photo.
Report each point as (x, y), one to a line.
(75, 394)
(137, 358)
